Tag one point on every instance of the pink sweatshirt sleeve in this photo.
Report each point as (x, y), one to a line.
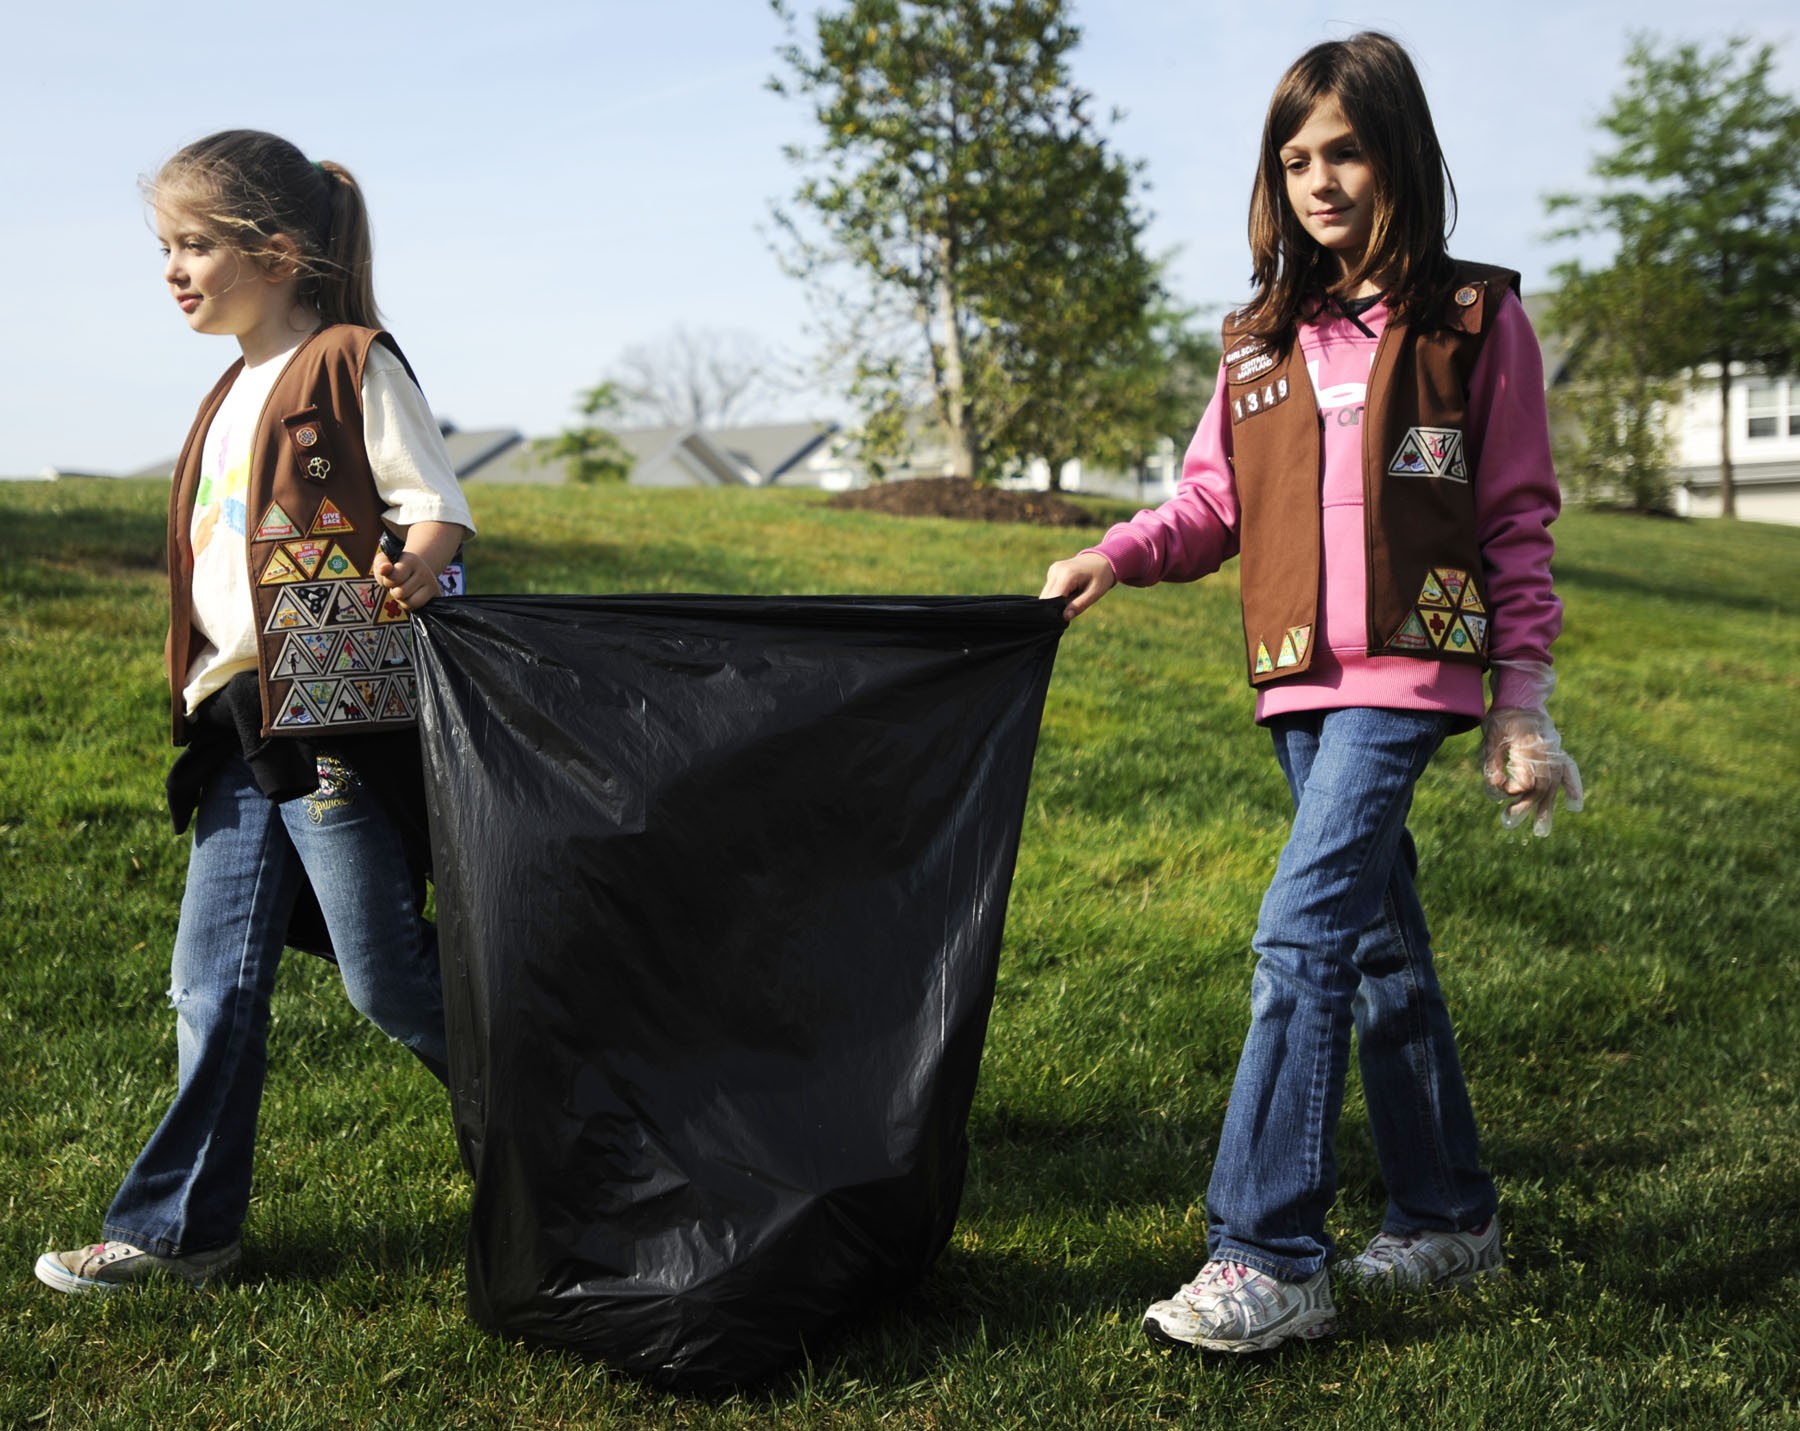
(1516, 496)
(1194, 533)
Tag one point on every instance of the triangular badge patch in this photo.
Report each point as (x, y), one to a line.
(358, 651)
(276, 526)
(289, 614)
(280, 570)
(315, 599)
(398, 652)
(346, 610)
(330, 522)
(1263, 664)
(1412, 635)
(294, 711)
(348, 707)
(295, 659)
(320, 645)
(306, 556)
(1298, 638)
(1409, 460)
(337, 566)
(394, 706)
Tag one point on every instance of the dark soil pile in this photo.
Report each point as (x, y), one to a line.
(958, 497)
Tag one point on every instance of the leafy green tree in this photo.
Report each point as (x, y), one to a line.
(1702, 189)
(986, 240)
(1186, 370)
(589, 453)
(1139, 381)
(1611, 421)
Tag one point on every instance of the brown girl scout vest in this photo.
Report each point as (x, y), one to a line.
(335, 650)
(1427, 590)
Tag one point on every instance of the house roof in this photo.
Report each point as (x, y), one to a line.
(469, 450)
(681, 456)
(777, 447)
(675, 456)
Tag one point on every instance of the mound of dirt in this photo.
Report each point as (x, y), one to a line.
(958, 497)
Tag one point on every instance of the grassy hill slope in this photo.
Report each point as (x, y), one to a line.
(1624, 994)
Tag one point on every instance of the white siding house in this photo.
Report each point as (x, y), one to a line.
(1765, 447)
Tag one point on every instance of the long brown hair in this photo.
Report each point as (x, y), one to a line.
(1373, 81)
(247, 186)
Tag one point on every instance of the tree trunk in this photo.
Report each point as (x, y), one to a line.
(958, 420)
(1727, 488)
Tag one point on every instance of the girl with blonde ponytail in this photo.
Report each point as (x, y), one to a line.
(313, 509)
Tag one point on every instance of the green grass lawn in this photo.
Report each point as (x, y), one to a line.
(1625, 997)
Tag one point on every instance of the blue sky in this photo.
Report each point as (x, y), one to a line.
(554, 182)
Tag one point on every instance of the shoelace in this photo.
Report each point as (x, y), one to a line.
(1388, 1248)
(1231, 1274)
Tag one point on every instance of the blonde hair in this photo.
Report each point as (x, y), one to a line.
(247, 187)
(1373, 81)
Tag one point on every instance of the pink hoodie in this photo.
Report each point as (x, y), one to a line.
(1516, 498)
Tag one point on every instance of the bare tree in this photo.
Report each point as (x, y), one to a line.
(707, 377)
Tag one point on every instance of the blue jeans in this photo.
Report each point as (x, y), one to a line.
(1342, 941)
(189, 1190)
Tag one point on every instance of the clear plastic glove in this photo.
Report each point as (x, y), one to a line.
(1525, 765)
(1522, 757)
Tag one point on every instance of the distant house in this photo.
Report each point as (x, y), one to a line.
(1764, 425)
(468, 451)
(794, 454)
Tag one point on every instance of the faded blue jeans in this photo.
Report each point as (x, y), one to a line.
(1342, 941)
(189, 1190)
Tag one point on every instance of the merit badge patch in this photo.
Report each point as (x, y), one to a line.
(337, 567)
(276, 526)
(1448, 616)
(345, 660)
(1293, 647)
(1430, 452)
(330, 521)
(1295, 643)
(280, 570)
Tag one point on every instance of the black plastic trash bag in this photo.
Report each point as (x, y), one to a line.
(721, 886)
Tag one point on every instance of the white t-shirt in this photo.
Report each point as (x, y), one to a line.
(412, 473)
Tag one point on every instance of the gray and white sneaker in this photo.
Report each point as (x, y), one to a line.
(1234, 1308)
(105, 1266)
(1432, 1259)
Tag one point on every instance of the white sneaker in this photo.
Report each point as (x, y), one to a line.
(1234, 1308)
(1432, 1259)
(108, 1265)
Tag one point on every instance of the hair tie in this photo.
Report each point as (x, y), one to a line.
(317, 165)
